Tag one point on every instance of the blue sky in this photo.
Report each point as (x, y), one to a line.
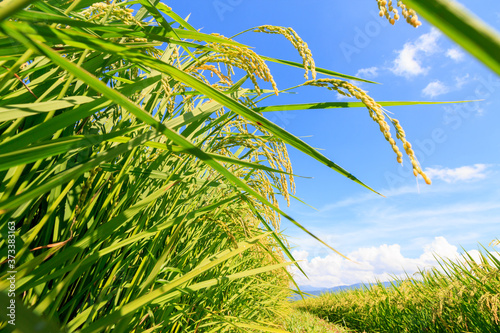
(457, 144)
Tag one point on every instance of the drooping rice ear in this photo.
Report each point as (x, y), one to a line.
(378, 115)
(386, 9)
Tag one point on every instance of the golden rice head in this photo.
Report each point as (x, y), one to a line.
(378, 115)
(276, 153)
(297, 42)
(489, 303)
(387, 10)
(170, 87)
(243, 58)
(85, 190)
(224, 80)
(400, 134)
(495, 242)
(100, 11)
(247, 101)
(273, 150)
(228, 232)
(261, 183)
(97, 11)
(175, 58)
(259, 147)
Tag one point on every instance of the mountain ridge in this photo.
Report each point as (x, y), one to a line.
(316, 291)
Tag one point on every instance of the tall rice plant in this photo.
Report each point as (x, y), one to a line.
(139, 177)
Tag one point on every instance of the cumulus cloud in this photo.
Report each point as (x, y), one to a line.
(408, 63)
(368, 73)
(435, 88)
(369, 264)
(465, 173)
(455, 54)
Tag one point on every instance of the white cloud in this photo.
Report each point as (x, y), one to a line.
(465, 173)
(369, 264)
(435, 88)
(408, 63)
(367, 73)
(455, 54)
(465, 212)
(461, 81)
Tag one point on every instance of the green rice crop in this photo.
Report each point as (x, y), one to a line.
(458, 296)
(138, 174)
(304, 322)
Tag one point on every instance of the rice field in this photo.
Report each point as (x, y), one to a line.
(460, 296)
(139, 175)
(139, 178)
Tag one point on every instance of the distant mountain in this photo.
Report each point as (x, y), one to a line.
(311, 288)
(315, 291)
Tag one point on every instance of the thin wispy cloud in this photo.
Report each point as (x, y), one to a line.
(435, 173)
(359, 199)
(371, 197)
(447, 211)
(460, 81)
(435, 88)
(464, 173)
(409, 61)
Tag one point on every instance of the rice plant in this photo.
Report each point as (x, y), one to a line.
(304, 322)
(459, 296)
(138, 174)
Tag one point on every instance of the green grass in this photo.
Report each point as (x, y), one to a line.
(462, 296)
